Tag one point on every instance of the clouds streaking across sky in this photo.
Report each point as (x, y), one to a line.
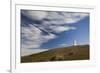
(44, 30)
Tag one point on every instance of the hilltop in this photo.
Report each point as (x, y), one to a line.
(79, 52)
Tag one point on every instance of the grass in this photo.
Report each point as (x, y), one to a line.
(80, 52)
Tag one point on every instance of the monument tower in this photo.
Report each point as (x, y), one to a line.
(74, 43)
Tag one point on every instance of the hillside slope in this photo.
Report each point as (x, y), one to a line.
(80, 52)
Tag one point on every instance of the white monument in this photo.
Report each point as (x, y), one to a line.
(74, 43)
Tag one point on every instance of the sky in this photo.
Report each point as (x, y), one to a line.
(45, 30)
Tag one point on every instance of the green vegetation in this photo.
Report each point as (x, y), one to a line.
(80, 52)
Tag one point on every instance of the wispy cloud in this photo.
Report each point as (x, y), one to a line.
(35, 15)
(32, 37)
(59, 29)
(63, 45)
(55, 17)
(25, 51)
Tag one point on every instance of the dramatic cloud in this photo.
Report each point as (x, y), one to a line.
(55, 17)
(34, 35)
(35, 15)
(59, 29)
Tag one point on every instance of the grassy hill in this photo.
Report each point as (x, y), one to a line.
(80, 52)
